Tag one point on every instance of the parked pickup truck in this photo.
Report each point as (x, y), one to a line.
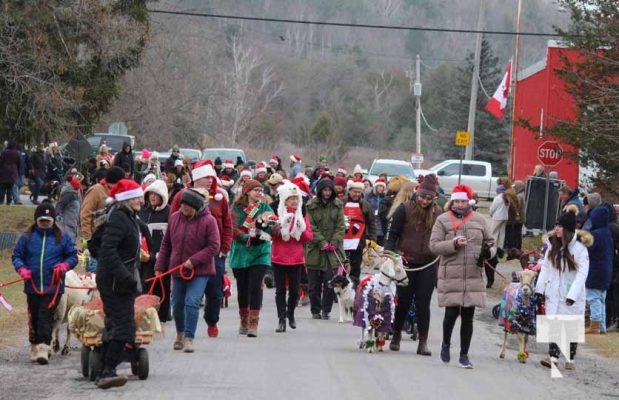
(476, 174)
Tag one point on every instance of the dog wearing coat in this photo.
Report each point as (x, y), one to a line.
(345, 297)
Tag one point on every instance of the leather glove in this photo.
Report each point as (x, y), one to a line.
(63, 267)
(24, 273)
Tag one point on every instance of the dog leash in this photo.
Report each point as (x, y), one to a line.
(423, 266)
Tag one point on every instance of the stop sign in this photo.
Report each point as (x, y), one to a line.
(550, 153)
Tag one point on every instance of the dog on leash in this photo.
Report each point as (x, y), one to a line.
(342, 287)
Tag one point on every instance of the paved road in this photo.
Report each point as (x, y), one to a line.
(319, 359)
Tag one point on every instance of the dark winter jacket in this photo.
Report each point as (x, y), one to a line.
(124, 159)
(38, 164)
(601, 252)
(40, 253)
(380, 211)
(119, 255)
(9, 165)
(196, 239)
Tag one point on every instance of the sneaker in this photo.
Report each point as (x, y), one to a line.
(569, 365)
(188, 345)
(212, 331)
(465, 362)
(316, 316)
(445, 357)
(546, 362)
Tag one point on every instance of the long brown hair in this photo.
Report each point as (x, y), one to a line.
(422, 215)
(559, 251)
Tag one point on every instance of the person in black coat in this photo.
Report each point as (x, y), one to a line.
(118, 278)
(124, 159)
(9, 172)
(37, 172)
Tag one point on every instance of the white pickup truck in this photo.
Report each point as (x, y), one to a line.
(476, 174)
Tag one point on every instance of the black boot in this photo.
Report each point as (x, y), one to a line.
(282, 325)
(422, 347)
(292, 322)
(109, 379)
(394, 345)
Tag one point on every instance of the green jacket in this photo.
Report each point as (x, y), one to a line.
(241, 255)
(328, 226)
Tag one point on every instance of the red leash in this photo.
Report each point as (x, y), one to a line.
(56, 280)
(159, 278)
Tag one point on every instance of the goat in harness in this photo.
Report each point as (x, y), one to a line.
(374, 302)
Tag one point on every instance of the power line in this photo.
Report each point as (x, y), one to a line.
(342, 24)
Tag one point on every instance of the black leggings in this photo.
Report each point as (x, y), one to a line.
(249, 286)
(292, 274)
(420, 285)
(466, 326)
(40, 318)
(554, 351)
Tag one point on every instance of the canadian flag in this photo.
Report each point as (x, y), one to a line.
(496, 105)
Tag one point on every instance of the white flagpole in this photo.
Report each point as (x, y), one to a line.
(514, 81)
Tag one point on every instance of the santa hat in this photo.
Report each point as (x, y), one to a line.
(246, 172)
(228, 164)
(302, 184)
(355, 184)
(462, 192)
(274, 160)
(380, 182)
(339, 181)
(126, 189)
(342, 170)
(203, 169)
(226, 181)
(261, 167)
(295, 158)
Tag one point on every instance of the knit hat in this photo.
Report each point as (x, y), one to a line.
(46, 211)
(75, 183)
(380, 182)
(357, 170)
(302, 184)
(239, 161)
(429, 186)
(218, 161)
(342, 170)
(355, 184)
(261, 167)
(568, 219)
(149, 177)
(228, 164)
(203, 169)
(295, 158)
(462, 192)
(126, 189)
(193, 199)
(178, 163)
(323, 158)
(249, 185)
(274, 179)
(339, 181)
(114, 175)
(245, 172)
(145, 154)
(274, 160)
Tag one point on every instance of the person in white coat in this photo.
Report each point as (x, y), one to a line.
(499, 212)
(563, 276)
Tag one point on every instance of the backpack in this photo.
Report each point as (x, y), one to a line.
(99, 219)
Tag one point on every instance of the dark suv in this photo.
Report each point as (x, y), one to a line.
(113, 142)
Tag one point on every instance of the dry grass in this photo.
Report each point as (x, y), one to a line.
(606, 345)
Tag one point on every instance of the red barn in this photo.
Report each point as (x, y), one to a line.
(542, 100)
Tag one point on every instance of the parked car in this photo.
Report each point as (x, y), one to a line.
(224, 154)
(476, 174)
(112, 141)
(391, 168)
(194, 154)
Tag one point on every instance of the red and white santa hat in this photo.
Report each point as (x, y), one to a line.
(355, 184)
(126, 189)
(295, 158)
(226, 181)
(228, 164)
(274, 160)
(246, 172)
(261, 167)
(303, 185)
(342, 170)
(463, 192)
(380, 181)
(203, 169)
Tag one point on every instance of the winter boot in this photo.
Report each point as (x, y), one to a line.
(252, 328)
(33, 352)
(109, 379)
(178, 343)
(244, 315)
(42, 354)
(594, 328)
(422, 347)
(291, 321)
(281, 327)
(188, 345)
(394, 345)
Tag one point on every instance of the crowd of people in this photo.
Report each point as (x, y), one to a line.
(181, 224)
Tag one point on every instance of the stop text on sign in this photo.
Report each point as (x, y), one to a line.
(550, 153)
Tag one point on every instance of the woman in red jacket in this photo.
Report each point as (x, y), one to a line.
(287, 255)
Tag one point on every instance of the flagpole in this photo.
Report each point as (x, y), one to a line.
(514, 77)
(469, 151)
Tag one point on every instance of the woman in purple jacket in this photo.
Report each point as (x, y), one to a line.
(192, 239)
(287, 256)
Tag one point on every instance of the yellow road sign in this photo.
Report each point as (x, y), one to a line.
(463, 138)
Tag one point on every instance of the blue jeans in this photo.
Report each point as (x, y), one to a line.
(186, 297)
(38, 182)
(597, 304)
(16, 186)
(214, 292)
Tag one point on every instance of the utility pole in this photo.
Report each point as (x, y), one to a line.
(468, 154)
(417, 94)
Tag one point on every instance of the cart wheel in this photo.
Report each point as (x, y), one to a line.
(496, 310)
(85, 361)
(95, 363)
(142, 363)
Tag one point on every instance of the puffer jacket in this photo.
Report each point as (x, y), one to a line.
(291, 252)
(195, 239)
(557, 285)
(460, 280)
(601, 252)
(39, 252)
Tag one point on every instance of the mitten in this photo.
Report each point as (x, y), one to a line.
(332, 247)
(326, 247)
(24, 273)
(63, 267)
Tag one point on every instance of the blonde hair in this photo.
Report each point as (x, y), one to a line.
(404, 194)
